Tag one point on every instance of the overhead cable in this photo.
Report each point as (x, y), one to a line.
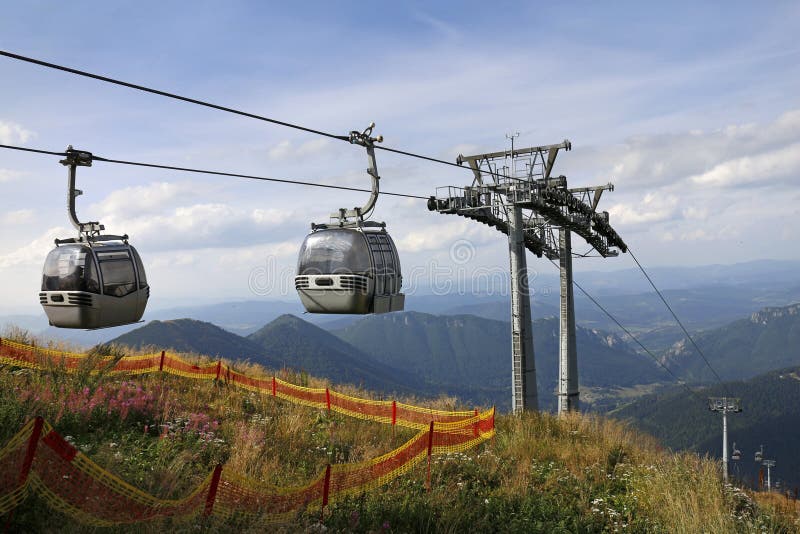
(215, 173)
(675, 316)
(634, 338)
(211, 105)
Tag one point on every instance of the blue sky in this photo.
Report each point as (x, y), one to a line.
(691, 110)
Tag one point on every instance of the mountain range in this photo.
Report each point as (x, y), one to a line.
(414, 352)
(468, 350)
(766, 340)
(285, 342)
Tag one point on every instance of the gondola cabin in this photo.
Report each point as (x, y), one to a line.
(95, 283)
(349, 270)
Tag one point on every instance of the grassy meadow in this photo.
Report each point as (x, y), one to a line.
(578, 473)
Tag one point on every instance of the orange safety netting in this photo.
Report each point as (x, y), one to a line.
(382, 411)
(39, 460)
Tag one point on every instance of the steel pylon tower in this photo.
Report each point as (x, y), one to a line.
(523, 200)
(568, 391)
(724, 405)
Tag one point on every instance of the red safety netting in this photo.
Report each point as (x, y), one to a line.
(382, 411)
(39, 460)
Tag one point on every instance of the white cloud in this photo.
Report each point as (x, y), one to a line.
(170, 260)
(17, 217)
(13, 134)
(653, 208)
(758, 169)
(145, 199)
(202, 226)
(440, 237)
(166, 215)
(34, 253)
(736, 154)
(256, 255)
(699, 213)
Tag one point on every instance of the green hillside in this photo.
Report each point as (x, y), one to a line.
(285, 342)
(466, 350)
(767, 340)
(189, 335)
(770, 416)
(301, 345)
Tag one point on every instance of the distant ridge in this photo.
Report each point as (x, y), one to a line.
(465, 351)
(190, 335)
(301, 344)
(285, 342)
(768, 339)
(770, 416)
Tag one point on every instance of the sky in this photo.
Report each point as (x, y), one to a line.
(692, 111)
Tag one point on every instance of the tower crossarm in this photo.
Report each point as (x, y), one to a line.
(541, 160)
(523, 177)
(565, 209)
(470, 206)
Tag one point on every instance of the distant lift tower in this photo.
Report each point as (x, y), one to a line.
(724, 405)
(768, 464)
(516, 193)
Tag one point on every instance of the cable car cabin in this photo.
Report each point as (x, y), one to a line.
(736, 455)
(349, 270)
(93, 284)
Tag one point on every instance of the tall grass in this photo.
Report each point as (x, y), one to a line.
(575, 473)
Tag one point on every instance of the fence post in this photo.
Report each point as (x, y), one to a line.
(273, 386)
(27, 463)
(430, 451)
(328, 400)
(394, 416)
(219, 369)
(325, 492)
(212, 490)
(161, 363)
(475, 425)
(494, 431)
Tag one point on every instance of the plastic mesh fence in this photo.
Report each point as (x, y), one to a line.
(73, 484)
(387, 412)
(47, 464)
